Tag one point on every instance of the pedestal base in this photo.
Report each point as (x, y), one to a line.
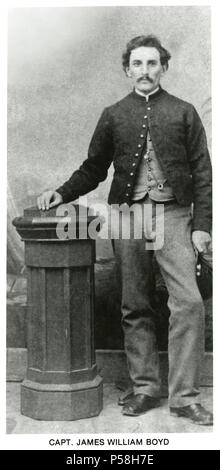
(52, 402)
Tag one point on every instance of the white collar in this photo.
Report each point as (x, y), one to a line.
(146, 96)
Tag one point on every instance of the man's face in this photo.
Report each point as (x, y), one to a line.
(145, 68)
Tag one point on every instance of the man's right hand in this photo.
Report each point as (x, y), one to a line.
(49, 199)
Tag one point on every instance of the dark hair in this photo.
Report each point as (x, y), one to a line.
(146, 41)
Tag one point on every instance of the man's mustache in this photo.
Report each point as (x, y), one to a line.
(145, 78)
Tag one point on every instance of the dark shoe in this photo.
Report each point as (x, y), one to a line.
(195, 413)
(139, 404)
(123, 399)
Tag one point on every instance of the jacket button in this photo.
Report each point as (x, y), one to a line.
(133, 164)
(145, 117)
(128, 185)
(142, 136)
(126, 194)
(148, 108)
(137, 154)
(144, 126)
(139, 146)
(131, 174)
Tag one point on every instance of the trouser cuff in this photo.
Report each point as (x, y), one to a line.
(179, 402)
(146, 390)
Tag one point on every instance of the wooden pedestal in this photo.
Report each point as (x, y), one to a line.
(62, 382)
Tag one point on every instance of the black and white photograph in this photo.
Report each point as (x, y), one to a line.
(109, 318)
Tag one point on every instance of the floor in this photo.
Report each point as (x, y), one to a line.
(110, 419)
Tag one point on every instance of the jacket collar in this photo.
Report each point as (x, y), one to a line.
(151, 98)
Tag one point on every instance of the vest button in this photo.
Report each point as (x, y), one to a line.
(139, 146)
(142, 136)
(128, 185)
(145, 117)
(144, 126)
(131, 174)
(137, 154)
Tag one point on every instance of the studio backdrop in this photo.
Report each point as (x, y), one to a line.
(64, 67)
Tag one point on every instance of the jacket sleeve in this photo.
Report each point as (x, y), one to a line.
(95, 168)
(200, 166)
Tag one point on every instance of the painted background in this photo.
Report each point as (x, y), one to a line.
(64, 67)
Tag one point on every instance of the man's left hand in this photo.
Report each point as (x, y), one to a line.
(201, 241)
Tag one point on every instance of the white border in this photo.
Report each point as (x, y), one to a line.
(177, 441)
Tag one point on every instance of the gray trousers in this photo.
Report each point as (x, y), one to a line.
(177, 261)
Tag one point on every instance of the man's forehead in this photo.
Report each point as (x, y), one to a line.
(145, 52)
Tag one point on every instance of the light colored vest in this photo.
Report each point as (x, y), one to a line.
(150, 179)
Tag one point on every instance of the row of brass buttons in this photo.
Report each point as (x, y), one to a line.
(142, 136)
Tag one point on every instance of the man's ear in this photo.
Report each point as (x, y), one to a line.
(128, 73)
(164, 67)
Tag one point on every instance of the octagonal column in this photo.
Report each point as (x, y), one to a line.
(62, 382)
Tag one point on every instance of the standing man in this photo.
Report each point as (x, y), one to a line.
(158, 146)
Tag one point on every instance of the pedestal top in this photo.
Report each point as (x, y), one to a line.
(38, 224)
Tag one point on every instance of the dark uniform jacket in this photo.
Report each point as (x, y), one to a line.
(179, 141)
